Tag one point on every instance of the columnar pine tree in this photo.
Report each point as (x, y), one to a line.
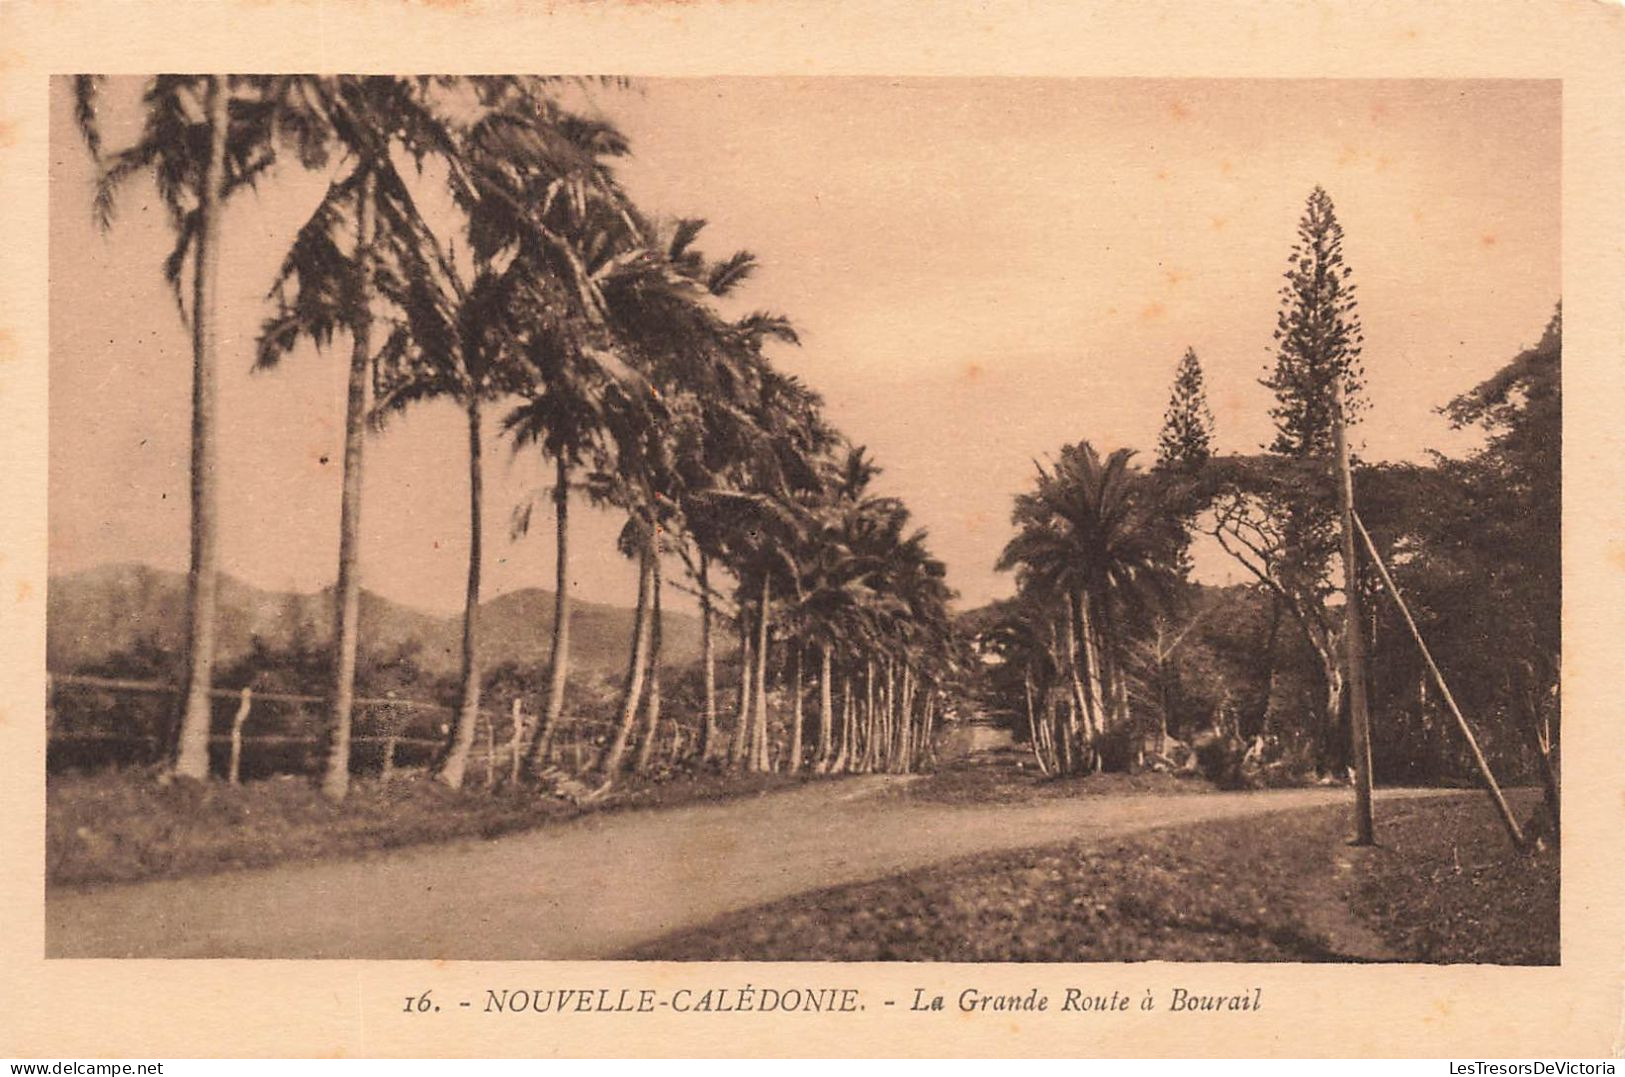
(1186, 440)
(1317, 335)
(1186, 443)
(1318, 341)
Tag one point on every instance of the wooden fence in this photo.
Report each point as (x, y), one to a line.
(500, 737)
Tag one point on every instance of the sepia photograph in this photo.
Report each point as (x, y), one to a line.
(692, 529)
(805, 519)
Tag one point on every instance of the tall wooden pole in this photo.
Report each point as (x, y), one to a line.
(1353, 630)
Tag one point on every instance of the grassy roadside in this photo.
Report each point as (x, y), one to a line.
(123, 826)
(1458, 894)
(1009, 778)
(1260, 889)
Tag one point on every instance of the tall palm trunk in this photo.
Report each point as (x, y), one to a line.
(795, 710)
(1080, 721)
(843, 754)
(203, 581)
(1062, 760)
(884, 762)
(651, 710)
(905, 724)
(708, 662)
(347, 592)
(826, 708)
(928, 723)
(1088, 640)
(1032, 722)
(897, 704)
(747, 671)
(558, 662)
(1114, 685)
(632, 691)
(858, 758)
(454, 758)
(760, 757)
(873, 728)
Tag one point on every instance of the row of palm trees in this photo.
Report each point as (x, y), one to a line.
(474, 245)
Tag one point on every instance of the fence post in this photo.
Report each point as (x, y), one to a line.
(490, 751)
(518, 739)
(244, 703)
(393, 731)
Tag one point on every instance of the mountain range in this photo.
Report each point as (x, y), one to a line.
(111, 608)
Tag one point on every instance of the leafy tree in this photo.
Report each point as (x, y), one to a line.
(1511, 538)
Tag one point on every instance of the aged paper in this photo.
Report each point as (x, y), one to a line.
(1556, 68)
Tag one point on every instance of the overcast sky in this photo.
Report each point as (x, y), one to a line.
(981, 271)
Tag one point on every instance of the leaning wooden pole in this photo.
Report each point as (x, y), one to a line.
(1353, 633)
(1479, 761)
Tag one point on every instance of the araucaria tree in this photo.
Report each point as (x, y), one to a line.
(1318, 337)
(1186, 440)
(1276, 514)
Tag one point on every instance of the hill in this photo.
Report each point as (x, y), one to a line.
(112, 608)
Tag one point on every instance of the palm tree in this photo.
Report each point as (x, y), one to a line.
(772, 515)
(833, 585)
(658, 313)
(1092, 535)
(198, 153)
(662, 311)
(636, 542)
(560, 414)
(321, 288)
(469, 337)
(652, 701)
(326, 282)
(1019, 638)
(715, 439)
(570, 409)
(465, 341)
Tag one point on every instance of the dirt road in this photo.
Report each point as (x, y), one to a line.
(595, 887)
